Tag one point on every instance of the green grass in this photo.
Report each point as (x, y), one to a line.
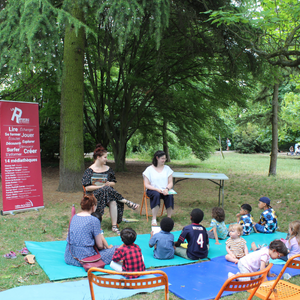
(248, 181)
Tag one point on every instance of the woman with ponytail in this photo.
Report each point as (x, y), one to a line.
(106, 195)
(85, 233)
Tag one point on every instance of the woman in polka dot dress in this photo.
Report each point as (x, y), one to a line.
(106, 195)
(84, 233)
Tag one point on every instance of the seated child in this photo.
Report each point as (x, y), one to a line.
(245, 219)
(236, 246)
(268, 218)
(196, 236)
(163, 241)
(258, 260)
(219, 229)
(129, 253)
(293, 240)
(105, 244)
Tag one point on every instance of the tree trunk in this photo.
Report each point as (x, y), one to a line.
(273, 161)
(120, 155)
(71, 164)
(165, 140)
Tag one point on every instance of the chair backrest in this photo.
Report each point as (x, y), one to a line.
(231, 284)
(161, 279)
(292, 263)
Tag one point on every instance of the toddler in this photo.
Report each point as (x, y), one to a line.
(129, 253)
(236, 246)
(293, 241)
(163, 241)
(258, 260)
(268, 218)
(245, 219)
(219, 229)
(196, 236)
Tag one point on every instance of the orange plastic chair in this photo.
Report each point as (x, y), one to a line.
(237, 286)
(144, 202)
(123, 283)
(281, 289)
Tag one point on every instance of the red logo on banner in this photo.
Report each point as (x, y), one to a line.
(20, 156)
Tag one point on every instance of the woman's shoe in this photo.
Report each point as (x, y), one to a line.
(115, 229)
(131, 204)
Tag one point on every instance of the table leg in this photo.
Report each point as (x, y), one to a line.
(219, 192)
(222, 193)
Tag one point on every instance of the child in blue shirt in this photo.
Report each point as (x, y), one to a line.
(268, 218)
(219, 229)
(163, 241)
(245, 219)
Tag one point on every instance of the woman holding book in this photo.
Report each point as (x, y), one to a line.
(158, 181)
(100, 180)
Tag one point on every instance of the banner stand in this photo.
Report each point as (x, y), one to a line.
(13, 212)
(21, 172)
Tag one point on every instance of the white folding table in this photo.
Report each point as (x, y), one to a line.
(216, 178)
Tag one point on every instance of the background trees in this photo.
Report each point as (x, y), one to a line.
(167, 72)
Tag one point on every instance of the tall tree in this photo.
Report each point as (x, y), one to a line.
(137, 87)
(31, 32)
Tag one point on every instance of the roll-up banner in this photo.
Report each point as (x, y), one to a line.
(21, 173)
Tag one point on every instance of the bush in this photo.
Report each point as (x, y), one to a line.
(250, 140)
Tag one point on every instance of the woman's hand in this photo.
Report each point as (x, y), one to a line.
(165, 192)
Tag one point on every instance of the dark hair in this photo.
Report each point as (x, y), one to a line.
(88, 201)
(97, 215)
(279, 247)
(218, 213)
(166, 224)
(246, 207)
(99, 151)
(158, 154)
(197, 215)
(128, 236)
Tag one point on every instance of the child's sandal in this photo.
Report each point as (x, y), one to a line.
(10, 255)
(115, 229)
(132, 205)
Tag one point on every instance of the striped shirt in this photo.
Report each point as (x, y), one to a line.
(236, 246)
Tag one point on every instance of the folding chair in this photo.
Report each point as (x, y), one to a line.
(144, 202)
(123, 283)
(281, 289)
(237, 286)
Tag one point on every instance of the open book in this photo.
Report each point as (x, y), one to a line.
(99, 179)
(156, 229)
(172, 192)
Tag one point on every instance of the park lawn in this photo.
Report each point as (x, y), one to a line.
(248, 181)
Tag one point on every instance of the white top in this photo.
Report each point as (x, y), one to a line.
(158, 180)
(293, 246)
(252, 260)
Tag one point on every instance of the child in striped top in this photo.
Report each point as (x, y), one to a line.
(236, 246)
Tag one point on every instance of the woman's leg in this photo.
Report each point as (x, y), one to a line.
(113, 216)
(154, 213)
(169, 212)
(154, 203)
(130, 204)
(169, 204)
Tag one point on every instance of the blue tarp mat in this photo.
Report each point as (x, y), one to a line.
(75, 290)
(202, 281)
